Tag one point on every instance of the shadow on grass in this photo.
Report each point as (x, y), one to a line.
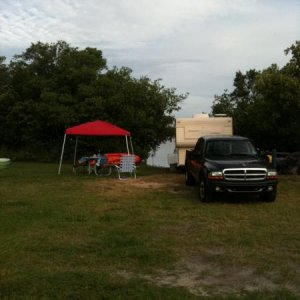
(236, 199)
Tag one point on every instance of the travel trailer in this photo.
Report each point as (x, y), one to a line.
(189, 130)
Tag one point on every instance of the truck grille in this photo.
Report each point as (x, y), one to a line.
(245, 174)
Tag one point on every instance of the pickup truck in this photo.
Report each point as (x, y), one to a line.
(229, 165)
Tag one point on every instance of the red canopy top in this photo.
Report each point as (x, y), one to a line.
(96, 128)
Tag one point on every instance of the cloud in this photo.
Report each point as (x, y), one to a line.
(120, 24)
(195, 46)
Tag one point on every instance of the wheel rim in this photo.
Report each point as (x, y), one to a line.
(202, 190)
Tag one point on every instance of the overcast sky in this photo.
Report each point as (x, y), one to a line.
(195, 46)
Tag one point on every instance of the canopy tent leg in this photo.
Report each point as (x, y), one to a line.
(75, 152)
(127, 144)
(131, 145)
(62, 153)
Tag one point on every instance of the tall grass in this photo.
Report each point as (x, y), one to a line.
(88, 237)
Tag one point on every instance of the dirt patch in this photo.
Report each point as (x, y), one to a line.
(157, 182)
(140, 183)
(204, 278)
(169, 184)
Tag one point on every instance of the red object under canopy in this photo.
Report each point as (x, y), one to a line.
(97, 128)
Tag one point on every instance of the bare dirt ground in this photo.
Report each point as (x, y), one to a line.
(202, 278)
(172, 183)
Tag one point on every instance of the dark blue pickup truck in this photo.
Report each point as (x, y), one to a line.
(229, 165)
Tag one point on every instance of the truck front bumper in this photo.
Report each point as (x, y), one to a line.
(242, 187)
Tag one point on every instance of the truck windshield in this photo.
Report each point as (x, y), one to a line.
(230, 148)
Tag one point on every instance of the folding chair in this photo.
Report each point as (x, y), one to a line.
(127, 166)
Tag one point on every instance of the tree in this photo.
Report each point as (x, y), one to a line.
(265, 105)
(53, 86)
(142, 106)
(3, 75)
(278, 108)
(5, 103)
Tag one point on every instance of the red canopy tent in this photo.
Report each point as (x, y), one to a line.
(96, 128)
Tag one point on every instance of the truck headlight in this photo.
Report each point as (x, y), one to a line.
(272, 175)
(215, 175)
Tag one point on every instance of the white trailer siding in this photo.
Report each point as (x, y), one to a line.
(188, 131)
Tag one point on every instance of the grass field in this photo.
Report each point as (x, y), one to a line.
(88, 237)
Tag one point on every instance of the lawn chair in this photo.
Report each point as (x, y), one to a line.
(127, 166)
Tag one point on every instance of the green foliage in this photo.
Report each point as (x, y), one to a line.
(50, 87)
(265, 105)
(139, 105)
(3, 75)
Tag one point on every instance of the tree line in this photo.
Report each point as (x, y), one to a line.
(52, 86)
(265, 105)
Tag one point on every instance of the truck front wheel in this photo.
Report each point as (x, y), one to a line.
(205, 194)
(269, 196)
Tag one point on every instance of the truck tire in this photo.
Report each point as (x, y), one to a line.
(189, 179)
(269, 197)
(205, 194)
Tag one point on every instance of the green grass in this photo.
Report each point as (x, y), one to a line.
(88, 237)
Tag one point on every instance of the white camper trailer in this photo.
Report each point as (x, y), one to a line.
(188, 131)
